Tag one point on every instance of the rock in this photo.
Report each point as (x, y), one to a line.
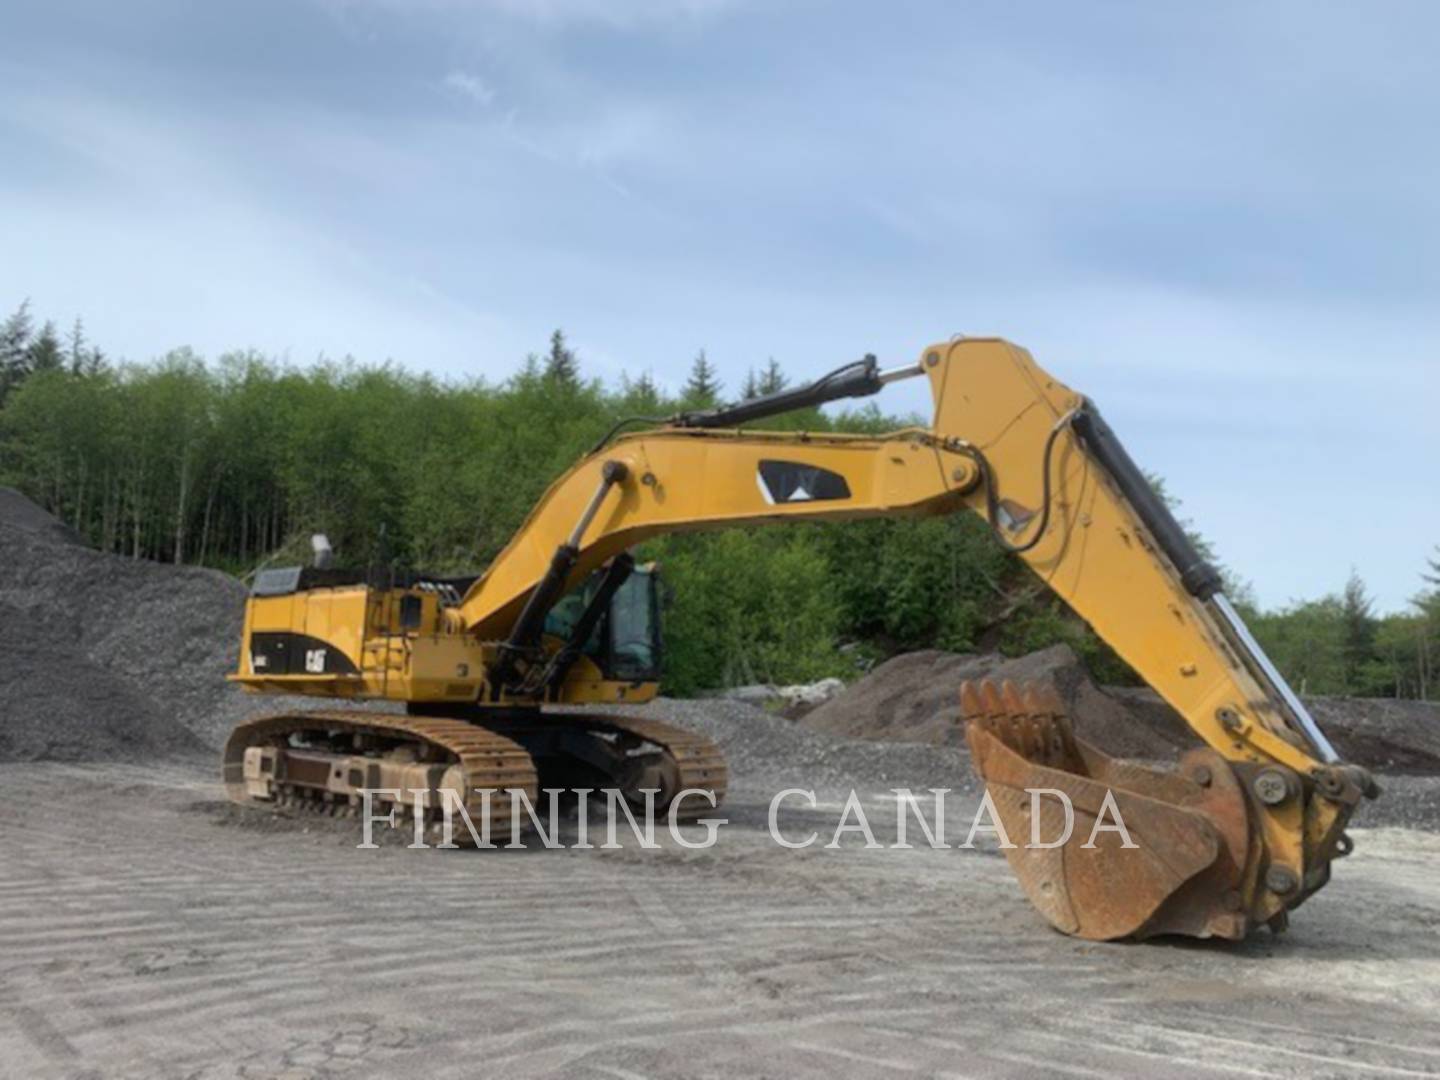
(794, 701)
(758, 695)
(806, 696)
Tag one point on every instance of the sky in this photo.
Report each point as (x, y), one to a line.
(1219, 220)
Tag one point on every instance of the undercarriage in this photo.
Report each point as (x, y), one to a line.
(433, 767)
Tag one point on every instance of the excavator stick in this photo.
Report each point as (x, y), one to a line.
(1107, 849)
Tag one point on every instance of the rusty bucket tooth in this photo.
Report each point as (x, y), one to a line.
(1146, 852)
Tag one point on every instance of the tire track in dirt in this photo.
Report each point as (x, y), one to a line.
(235, 949)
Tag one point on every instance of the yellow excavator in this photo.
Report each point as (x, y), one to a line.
(1240, 832)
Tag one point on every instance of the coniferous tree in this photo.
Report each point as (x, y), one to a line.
(530, 372)
(702, 388)
(561, 366)
(45, 352)
(1357, 611)
(751, 389)
(641, 393)
(772, 381)
(76, 353)
(15, 349)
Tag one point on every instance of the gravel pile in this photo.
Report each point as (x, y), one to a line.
(1395, 737)
(1398, 738)
(56, 704)
(20, 513)
(107, 657)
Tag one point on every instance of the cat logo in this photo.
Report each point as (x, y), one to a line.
(793, 481)
(315, 660)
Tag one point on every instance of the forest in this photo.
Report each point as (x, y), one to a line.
(233, 463)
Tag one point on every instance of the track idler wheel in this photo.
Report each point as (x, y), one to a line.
(1176, 867)
(655, 771)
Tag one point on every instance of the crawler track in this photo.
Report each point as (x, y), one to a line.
(320, 761)
(486, 759)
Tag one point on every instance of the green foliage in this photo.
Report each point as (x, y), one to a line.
(1360, 628)
(1424, 632)
(23, 352)
(770, 380)
(913, 584)
(1406, 647)
(1337, 645)
(639, 396)
(1307, 642)
(15, 334)
(45, 352)
(749, 606)
(235, 463)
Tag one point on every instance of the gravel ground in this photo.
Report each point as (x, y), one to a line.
(165, 934)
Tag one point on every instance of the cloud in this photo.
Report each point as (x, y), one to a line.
(470, 86)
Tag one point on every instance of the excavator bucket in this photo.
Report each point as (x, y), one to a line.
(1139, 851)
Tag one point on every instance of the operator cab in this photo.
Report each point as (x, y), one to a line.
(625, 645)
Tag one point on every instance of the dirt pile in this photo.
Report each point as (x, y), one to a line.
(915, 697)
(1394, 737)
(103, 656)
(1391, 736)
